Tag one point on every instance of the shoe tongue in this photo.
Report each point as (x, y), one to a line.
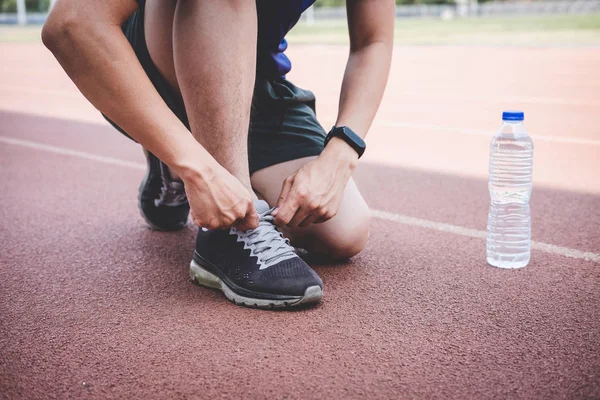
(261, 206)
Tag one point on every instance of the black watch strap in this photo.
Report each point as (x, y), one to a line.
(348, 136)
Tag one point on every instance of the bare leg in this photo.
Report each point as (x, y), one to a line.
(193, 45)
(342, 236)
(214, 48)
(158, 31)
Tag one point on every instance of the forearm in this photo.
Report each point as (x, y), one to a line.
(371, 29)
(362, 89)
(100, 61)
(314, 192)
(363, 86)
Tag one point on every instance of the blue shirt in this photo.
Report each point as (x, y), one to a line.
(275, 19)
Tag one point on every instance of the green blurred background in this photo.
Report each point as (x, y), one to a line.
(10, 6)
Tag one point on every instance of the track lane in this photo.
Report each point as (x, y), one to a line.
(95, 305)
(447, 204)
(103, 300)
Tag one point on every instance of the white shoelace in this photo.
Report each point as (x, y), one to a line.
(266, 242)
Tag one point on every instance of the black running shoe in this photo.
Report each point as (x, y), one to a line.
(257, 268)
(162, 201)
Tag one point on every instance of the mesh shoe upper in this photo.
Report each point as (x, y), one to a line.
(255, 262)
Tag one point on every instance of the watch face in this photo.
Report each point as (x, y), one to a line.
(348, 135)
(354, 137)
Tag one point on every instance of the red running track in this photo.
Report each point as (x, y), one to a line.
(95, 305)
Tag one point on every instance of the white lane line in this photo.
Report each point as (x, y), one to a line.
(454, 97)
(475, 233)
(475, 132)
(69, 152)
(73, 94)
(384, 215)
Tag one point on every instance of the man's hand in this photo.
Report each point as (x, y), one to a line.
(313, 193)
(218, 200)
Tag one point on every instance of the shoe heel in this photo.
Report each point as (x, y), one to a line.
(203, 277)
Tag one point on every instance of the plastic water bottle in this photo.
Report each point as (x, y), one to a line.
(509, 221)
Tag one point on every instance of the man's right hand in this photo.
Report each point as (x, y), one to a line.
(218, 200)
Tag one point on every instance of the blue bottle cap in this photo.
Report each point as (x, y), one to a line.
(513, 116)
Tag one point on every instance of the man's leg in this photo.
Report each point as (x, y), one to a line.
(214, 48)
(158, 33)
(207, 52)
(286, 135)
(213, 65)
(343, 236)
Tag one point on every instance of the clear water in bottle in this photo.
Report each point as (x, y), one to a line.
(509, 221)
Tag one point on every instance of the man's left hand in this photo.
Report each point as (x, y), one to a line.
(313, 193)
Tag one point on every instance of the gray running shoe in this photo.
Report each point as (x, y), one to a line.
(257, 268)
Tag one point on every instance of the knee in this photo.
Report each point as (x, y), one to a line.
(72, 24)
(60, 28)
(51, 32)
(350, 239)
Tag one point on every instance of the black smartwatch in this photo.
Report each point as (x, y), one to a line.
(348, 136)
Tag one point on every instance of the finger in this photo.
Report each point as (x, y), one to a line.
(301, 215)
(250, 221)
(211, 225)
(326, 214)
(287, 211)
(283, 196)
(226, 223)
(325, 217)
(309, 220)
(195, 220)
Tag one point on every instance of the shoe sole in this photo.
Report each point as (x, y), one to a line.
(201, 276)
(140, 189)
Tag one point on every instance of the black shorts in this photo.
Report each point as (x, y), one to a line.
(283, 121)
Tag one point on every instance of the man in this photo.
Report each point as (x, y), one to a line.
(200, 85)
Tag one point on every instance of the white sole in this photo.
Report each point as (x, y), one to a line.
(202, 277)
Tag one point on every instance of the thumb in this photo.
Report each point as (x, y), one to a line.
(250, 221)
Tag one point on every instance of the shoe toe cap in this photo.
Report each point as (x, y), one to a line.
(289, 277)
